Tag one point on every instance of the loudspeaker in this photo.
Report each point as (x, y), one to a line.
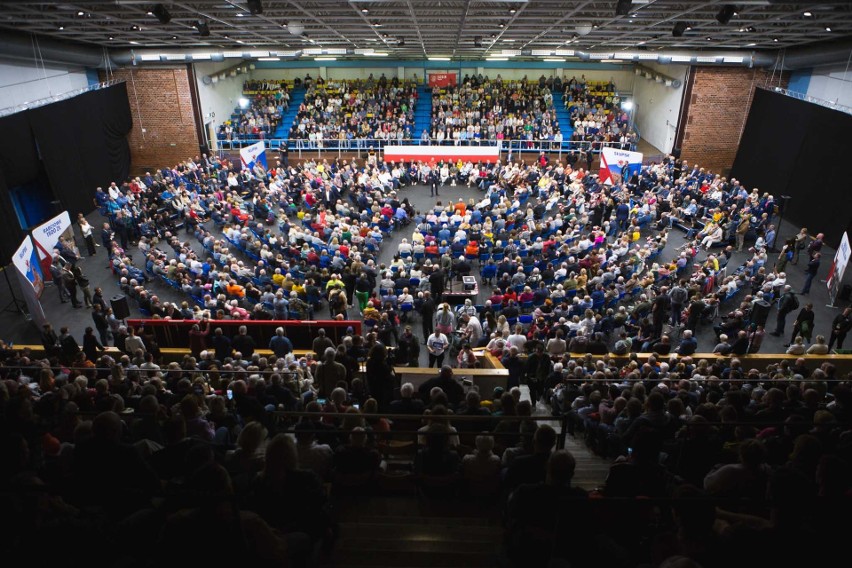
(760, 312)
(477, 41)
(120, 307)
(676, 153)
(622, 8)
(678, 29)
(727, 12)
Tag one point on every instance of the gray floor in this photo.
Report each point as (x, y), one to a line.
(17, 328)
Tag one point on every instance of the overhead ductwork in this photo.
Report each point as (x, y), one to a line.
(22, 47)
(27, 48)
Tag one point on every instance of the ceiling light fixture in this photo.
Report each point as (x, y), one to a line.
(775, 39)
(583, 28)
(709, 38)
(325, 59)
(827, 28)
(365, 10)
(81, 14)
(240, 14)
(750, 44)
(502, 24)
(61, 28)
(111, 38)
(296, 28)
(400, 42)
(512, 10)
(134, 42)
(439, 59)
(807, 14)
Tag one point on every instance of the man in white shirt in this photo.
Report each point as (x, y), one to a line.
(437, 345)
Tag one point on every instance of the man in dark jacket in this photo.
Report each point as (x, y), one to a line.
(787, 304)
(243, 343)
(447, 383)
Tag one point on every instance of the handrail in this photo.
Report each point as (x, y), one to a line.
(58, 97)
(364, 145)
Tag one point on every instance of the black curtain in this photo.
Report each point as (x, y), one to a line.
(796, 148)
(18, 164)
(82, 142)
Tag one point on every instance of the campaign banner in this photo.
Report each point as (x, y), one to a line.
(442, 79)
(838, 267)
(46, 237)
(26, 261)
(488, 154)
(618, 165)
(253, 154)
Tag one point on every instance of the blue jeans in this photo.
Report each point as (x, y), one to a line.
(808, 279)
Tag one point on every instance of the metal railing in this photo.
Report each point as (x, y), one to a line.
(817, 101)
(59, 97)
(361, 146)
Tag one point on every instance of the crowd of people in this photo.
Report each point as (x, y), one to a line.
(571, 270)
(261, 116)
(482, 109)
(339, 113)
(597, 115)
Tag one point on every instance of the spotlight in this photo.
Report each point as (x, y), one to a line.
(477, 41)
(162, 13)
(627, 105)
(295, 28)
(727, 12)
(623, 7)
(255, 6)
(244, 103)
(203, 28)
(679, 29)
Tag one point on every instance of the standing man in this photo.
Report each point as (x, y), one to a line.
(679, 296)
(436, 283)
(427, 314)
(437, 345)
(787, 304)
(433, 179)
(742, 229)
(839, 328)
(804, 324)
(811, 271)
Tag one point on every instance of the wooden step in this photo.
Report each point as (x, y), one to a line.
(413, 532)
(425, 520)
(397, 558)
(421, 543)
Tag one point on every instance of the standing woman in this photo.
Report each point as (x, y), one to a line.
(444, 319)
(86, 230)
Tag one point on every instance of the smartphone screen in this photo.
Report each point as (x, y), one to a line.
(356, 407)
(230, 394)
(321, 401)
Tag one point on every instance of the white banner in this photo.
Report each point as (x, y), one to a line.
(251, 154)
(618, 165)
(489, 154)
(30, 279)
(46, 236)
(838, 267)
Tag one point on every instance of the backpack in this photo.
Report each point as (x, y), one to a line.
(794, 303)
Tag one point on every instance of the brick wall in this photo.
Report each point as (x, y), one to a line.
(718, 107)
(164, 129)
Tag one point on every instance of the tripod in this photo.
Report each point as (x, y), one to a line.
(15, 305)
